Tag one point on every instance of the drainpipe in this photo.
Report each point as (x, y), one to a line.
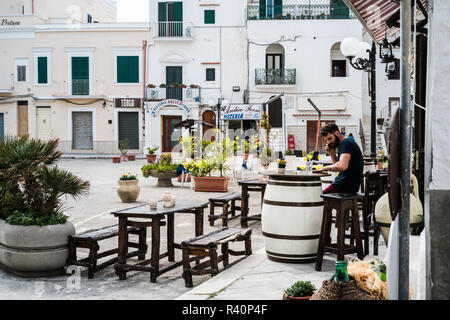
(32, 6)
(144, 91)
(405, 149)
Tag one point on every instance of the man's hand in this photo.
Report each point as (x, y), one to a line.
(330, 151)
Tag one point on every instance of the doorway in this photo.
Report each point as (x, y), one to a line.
(43, 122)
(170, 133)
(22, 118)
(129, 128)
(82, 133)
(311, 133)
(209, 117)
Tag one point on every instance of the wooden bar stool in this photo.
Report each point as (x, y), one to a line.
(343, 203)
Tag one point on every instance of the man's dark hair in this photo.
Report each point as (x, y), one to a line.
(329, 128)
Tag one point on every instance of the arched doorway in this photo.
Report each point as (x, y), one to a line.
(208, 117)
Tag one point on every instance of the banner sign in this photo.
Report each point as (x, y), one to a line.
(127, 103)
(170, 102)
(242, 112)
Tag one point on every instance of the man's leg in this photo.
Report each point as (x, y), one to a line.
(332, 189)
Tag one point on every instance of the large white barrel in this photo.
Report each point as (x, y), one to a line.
(292, 217)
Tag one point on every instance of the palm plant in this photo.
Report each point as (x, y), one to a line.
(29, 183)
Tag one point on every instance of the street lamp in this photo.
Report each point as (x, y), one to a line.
(362, 57)
(221, 105)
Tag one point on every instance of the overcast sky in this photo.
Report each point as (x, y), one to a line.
(132, 10)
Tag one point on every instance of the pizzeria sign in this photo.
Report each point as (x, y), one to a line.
(242, 112)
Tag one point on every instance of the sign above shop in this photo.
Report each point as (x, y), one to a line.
(242, 112)
(127, 103)
(170, 102)
(6, 22)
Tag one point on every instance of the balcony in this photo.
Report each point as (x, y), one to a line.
(275, 76)
(299, 12)
(178, 93)
(173, 30)
(80, 87)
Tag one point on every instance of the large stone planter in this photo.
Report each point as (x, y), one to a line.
(164, 178)
(211, 184)
(128, 190)
(34, 251)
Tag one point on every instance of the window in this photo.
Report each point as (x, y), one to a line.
(210, 74)
(21, 69)
(42, 70)
(89, 18)
(210, 16)
(338, 68)
(128, 69)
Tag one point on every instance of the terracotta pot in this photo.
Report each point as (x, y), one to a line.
(151, 158)
(211, 184)
(131, 157)
(286, 297)
(187, 178)
(128, 190)
(116, 159)
(379, 165)
(124, 158)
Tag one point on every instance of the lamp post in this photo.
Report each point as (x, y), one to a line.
(362, 57)
(220, 106)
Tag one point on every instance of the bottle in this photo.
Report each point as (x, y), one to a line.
(341, 275)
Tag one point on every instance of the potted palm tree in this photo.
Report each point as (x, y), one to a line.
(301, 290)
(34, 230)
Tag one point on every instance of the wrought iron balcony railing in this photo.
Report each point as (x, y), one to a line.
(174, 29)
(80, 87)
(275, 76)
(299, 12)
(178, 93)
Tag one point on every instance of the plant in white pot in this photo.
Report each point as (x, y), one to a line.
(33, 228)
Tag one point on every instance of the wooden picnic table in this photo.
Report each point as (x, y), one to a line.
(255, 185)
(154, 219)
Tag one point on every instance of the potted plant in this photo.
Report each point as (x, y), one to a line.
(266, 157)
(281, 166)
(151, 156)
(128, 189)
(182, 86)
(34, 230)
(193, 86)
(164, 170)
(116, 159)
(131, 157)
(151, 86)
(301, 290)
(162, 85)
(124, 144)
(290, 159)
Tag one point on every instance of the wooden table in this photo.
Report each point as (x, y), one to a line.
(247, 186)
(154, 219)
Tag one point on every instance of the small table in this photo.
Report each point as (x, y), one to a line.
(247, 186)
(154, 219)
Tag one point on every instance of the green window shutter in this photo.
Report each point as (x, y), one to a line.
(210, 16)
(210, 74)
(162, 9)
(128, 69)
(278, 8)
(80, 75)
(262, 9)
(42, 70)
(178, 11)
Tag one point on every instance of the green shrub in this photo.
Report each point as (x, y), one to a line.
(165, 158)
(27, 219)
(289, 153)
(301, 289)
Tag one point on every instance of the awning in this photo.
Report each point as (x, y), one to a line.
(373, 15)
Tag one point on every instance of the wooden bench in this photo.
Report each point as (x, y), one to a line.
(226, 202)
(206, 246)
(89, 239)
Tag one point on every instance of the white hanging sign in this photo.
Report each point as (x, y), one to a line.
(242, 112)
(170, 102)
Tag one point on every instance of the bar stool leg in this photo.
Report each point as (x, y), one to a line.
(355, 218)
(340, 219)
(324, 234)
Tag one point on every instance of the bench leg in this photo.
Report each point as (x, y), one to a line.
(248, 245)
(72, 252)
(211, 213)
(233, 208)
(93, 259)
(142, 243)
(225, 254)
(187, 274)
(225, 215)
(214, 263)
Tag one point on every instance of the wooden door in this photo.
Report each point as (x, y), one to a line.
(22, 118)
(170, 133)
(209, 117)
(43, 122)
(311, 132)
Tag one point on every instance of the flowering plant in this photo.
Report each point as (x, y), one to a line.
(281, 163)
(128, 176)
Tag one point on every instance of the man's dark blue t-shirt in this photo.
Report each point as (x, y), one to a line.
(350, 180)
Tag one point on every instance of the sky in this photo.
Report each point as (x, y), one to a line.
(132, 10)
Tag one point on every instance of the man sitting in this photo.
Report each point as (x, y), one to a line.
(349, 161)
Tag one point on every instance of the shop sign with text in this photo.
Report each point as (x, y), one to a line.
(242, 112)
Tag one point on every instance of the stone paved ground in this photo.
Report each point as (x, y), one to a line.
(94, 212)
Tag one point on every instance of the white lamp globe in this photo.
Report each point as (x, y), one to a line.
(349, 47)
(225, 103)
(362, 50)
(211, 102)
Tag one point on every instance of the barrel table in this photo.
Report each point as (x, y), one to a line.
(292, 216)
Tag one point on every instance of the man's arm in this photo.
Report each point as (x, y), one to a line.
(340, 165)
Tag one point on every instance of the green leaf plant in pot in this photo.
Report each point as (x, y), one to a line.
(151, 156)
(301, 290)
